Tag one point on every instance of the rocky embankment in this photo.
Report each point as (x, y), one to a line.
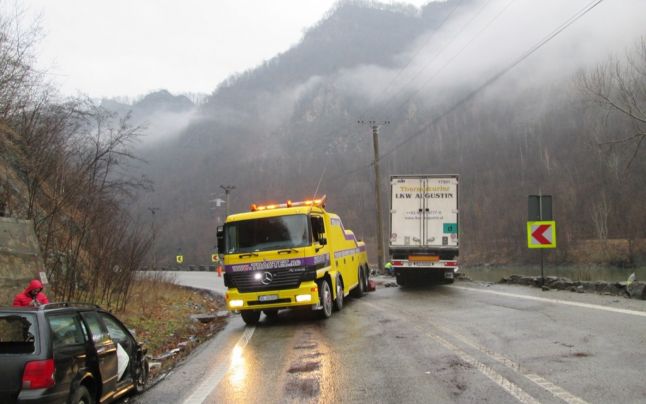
(633, 290)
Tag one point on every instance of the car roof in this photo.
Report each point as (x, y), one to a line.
(50, 307)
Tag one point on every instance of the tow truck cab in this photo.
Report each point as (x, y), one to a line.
(288, 255)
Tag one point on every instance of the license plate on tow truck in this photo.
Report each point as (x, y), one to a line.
(267, 298)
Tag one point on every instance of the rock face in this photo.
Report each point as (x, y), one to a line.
(20, 257)
(636, 290)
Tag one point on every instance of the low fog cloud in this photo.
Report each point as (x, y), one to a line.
(484, 38)
(162, 126)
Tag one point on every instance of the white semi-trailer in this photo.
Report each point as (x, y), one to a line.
(424, 237)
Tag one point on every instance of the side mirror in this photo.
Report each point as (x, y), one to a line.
(220, 238)
(323, 241)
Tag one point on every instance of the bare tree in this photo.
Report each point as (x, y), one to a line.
(619, 86)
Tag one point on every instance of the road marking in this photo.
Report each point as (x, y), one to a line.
(215, 377)
(488, 371)
(555, 390)
(543, 299)
(506, 384)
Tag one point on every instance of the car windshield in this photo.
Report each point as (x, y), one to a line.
(17, 333)
(269, 233)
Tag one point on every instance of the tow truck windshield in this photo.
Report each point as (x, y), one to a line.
(269, 233)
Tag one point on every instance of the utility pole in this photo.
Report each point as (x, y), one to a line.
(154, 231)
(380, 227)
(227, 190)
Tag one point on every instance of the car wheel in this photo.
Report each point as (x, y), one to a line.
(338, 301)
(141, 377)
(81, 396)
(360, 289)
(250, 317)
(325, 296)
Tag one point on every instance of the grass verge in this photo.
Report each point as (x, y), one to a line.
(159, 310)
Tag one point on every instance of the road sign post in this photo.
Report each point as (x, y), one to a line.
(541, 229)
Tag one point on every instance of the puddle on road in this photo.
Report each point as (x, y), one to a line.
(306, 346)
(304, 373)
(579, 355)
(312, 355)
(304, 367)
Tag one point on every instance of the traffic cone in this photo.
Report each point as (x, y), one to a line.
(219, 271)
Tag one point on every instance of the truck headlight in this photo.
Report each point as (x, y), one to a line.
(303, 298)
(236, 303)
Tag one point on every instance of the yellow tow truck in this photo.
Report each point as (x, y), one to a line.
(294, 254)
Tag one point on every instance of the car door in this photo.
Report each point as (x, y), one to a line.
(69, 346)
(104, 354)
(119, 334)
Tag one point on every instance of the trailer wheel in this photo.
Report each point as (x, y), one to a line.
(401, 279)
(325, 296)
(250, 317)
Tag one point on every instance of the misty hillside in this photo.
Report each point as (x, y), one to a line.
(283, 129)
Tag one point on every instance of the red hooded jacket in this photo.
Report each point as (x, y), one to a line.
(24, 298)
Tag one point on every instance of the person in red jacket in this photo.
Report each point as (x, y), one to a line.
(32, 296)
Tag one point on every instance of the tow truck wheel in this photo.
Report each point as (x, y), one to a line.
(401, 279)
(338, 301)
(325, 295)
(272, 314)
(250, 317)
(366, 277)
(360, 289)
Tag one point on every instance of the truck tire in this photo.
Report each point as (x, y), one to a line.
(360, 289)
(401, 279)
(271, 314)
(250, 317)
(325, 296)
(338, 301)
(366, 277)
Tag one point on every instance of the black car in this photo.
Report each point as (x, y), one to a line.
(62, 352)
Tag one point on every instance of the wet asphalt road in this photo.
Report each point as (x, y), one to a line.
(463, 343)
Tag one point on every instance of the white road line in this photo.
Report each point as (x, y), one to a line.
(555, 390)
(565, 302)
(506, 384)
(489, 372)
(214, 378)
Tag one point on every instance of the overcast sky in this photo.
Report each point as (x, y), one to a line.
(128, 48)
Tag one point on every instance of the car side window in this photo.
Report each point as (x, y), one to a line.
(98, 331)
(66, 329)
(115, 329)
